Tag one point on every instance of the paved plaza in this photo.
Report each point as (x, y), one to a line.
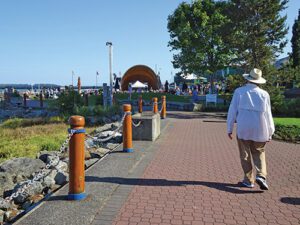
(190, 175)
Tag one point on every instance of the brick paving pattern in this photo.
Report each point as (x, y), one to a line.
(193, 179)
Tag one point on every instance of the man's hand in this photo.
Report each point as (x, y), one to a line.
(230, 136)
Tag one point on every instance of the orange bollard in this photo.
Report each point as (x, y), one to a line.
(164, 107)
(76, 158)
(155, 106)
(140, 104)
(127, 129)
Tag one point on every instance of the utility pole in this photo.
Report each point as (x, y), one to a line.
(109, 44)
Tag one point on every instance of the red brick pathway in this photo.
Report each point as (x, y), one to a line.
(193, 180)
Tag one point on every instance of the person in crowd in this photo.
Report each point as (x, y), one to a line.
(251, 109)
(184, 87)
(167, 86)
(195, 94)
(217, 87)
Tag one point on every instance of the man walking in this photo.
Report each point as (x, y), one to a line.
(251, 109)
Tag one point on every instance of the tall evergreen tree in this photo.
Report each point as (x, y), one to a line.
(296, 42)
(258, 31)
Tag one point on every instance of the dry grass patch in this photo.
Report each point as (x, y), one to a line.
(28, 141)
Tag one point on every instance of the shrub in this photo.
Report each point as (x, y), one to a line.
(99, 110)
(56, 119)
(287, 132)
(12, 123)
(83, 111)
(108, 111)
(290, 107)
(67, 101)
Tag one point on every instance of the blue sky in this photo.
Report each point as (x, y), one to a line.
(43, 41)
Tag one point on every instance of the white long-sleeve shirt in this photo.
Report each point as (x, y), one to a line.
(250, 107)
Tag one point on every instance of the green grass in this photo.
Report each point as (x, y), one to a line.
(287, 121)
(20, 122)
(287, 129)
(28, 141)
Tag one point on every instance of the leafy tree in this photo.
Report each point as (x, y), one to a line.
(196, 37)
(234, 81)
(258, 31)
(273, 76)
(296, 42)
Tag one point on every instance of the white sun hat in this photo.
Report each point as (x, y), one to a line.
(255, 76)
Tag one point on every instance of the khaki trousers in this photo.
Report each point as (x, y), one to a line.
(252, 153)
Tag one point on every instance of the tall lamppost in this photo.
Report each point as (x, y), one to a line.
(72, 78)
(109, 44)
(97, 74)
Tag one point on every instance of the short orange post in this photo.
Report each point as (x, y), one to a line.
(25, 100)
(41, 100)
(127, 129)
(140, 104)
(76, 158)
(164, 107)
(155, 106)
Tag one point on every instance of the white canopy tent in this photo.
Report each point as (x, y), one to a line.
(192, 77)
(189, 76)
(139, 84)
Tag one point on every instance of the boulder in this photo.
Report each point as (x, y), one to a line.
(9, 215)
(87, 155)
(99, 151)
(35, 188)
(5, 205)
(49, 180)
(36, 198)
(61, 178)
(23, 167)
(26, 205)
(105, 127)
(52, 158)
(108, 133)
(111, 146)
(89, 143)
(6, 182)
(43, 155)
(62, 166)
(117, 137)
(1, 216)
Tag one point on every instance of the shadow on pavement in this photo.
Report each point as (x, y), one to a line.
(290, 200)
(227, 187)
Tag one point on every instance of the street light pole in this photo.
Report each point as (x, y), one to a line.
(109, 44)
(97, 74)
(72, 77)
